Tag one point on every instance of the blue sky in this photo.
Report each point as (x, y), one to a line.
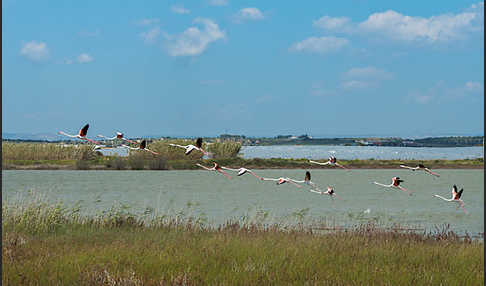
(257, 68)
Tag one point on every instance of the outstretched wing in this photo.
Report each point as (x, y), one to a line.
(459, 194)
(143, 144)
(307, 176)
(84, 131)
(199, 142)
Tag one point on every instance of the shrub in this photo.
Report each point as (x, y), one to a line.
(224, 149)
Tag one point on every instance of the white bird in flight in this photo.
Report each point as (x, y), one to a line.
(330, 192)
(332, 161)
(81, 135)
(456, 197)
(142, 146)
(215, 168)
(189, 148)
(395, 184)
(118, 135)
(281, 180)
(307, 180)
(242, 171)
(420, 167)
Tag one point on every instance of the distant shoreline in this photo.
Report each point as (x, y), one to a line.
(257, 163)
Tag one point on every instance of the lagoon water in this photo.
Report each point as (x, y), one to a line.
(348, 152)
(361, 152)
(210, 195)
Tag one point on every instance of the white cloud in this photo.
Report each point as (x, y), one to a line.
(473, 86)
(399, 27)
(250, 13)
(151, 35)
(332, 23)
(180, 10)
(194, 41)
(84, 58)
(320, 45)
(218, 2)
(369, 73)
(35, 51)
(440, 91)
(148, 22)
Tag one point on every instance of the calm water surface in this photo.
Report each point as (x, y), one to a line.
(211, 195)
(361, 152)
(348, 152)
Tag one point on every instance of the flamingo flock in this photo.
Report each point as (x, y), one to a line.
(332, 161)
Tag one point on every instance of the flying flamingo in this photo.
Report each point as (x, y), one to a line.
(456, 197)
(118, 135)
(281, 180)
(307, 180)
(216, 168)
(330, 192)
(421, 167)
(81, 135)
(242, 171)
(332, 161)
(395, 184)
(189, 148)
(142, 146)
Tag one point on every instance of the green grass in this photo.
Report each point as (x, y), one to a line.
(49, 244)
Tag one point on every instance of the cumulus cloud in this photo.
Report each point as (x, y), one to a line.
(194, 41)
(148, 22)
(35, 51)
(151, 35)
(250, 13)
(218, 2)
(180, 10)
(320, 45)
(399, 27)
(84, 58)
(332, 23)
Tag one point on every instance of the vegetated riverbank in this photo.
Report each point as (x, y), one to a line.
(47, 244)
(159, 163)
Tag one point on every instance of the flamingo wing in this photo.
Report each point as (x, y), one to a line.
(84, 131)
(319, 163)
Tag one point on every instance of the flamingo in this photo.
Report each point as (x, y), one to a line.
(395, 184)
(307, 180)
(216, 168)
(242, 171)
(118, 135)
(330, 192)
(420, 167)
(281, 180)
(142, 146)
(456, 197)
(189, 148)
(81, 135)
(332, 161)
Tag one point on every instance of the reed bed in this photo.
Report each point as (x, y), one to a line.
(46, 151)
(47, 243)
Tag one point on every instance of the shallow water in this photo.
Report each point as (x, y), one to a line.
(210, 195)
(360, 152)
(347, 152)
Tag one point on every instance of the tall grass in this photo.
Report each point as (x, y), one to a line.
(46, 151)
(49, 244)
(227, 149)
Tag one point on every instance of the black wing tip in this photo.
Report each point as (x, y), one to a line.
(199, 142)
